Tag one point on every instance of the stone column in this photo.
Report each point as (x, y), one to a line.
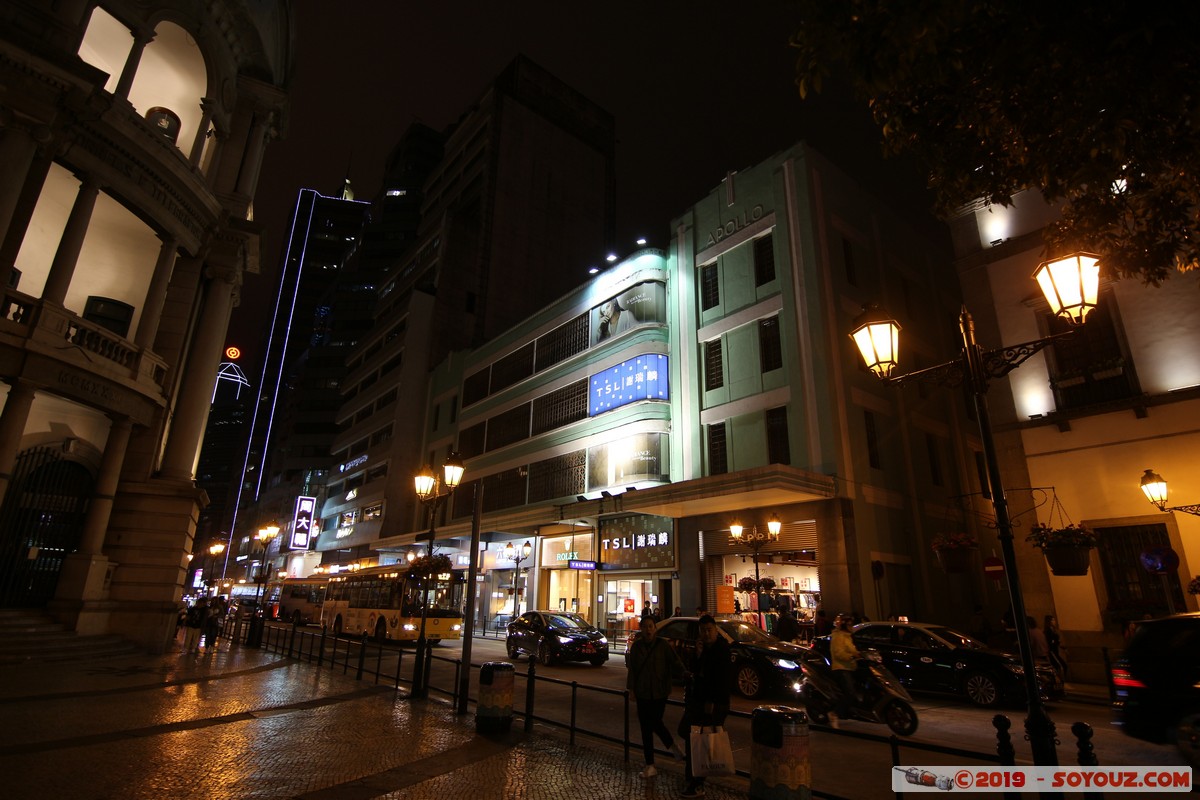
(67, 256)
(206, 116)
(156, 294)
(12, 428)
(195, 394)
(125, 82)
(17, 149)
(87, 572)
(252, 160)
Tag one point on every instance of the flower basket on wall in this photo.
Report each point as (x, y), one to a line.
(1067, 547)
(954, 551)
(1068, 560)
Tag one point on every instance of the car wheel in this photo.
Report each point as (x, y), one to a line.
(511, 647)
(749, 682)
(900, 717)
(544, 655)
(1187, 738)
(381, 630)
(981, 689)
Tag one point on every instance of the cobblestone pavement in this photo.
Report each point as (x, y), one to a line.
(244, 723)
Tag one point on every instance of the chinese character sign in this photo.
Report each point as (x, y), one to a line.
(641, 378)
(302, 522)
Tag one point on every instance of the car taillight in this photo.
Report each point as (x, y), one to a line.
(1122, 678)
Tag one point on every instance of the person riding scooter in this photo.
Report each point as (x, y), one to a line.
(843, 659)
(876, 694)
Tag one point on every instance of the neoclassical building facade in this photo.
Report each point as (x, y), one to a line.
(131, 137)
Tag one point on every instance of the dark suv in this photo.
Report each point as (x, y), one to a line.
(761, 662)
(1157, 683)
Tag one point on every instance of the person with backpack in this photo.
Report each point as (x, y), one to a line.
(652, 663)
(196, 617)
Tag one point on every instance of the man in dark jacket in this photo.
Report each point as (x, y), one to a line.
(706, 701)
(652, 664)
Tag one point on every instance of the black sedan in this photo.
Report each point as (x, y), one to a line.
(551, 636)
(934, 658)
(760, 661)
(1157, 683)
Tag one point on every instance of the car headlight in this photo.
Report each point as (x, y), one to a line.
(602, 640)
(456, 627)
(783, 663)
(565, 640)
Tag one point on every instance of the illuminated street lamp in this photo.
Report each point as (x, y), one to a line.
(756, 540)
(1070, 285)
(214, 551)
(517, 556)
(265, 536)
(433, 490)
(1154, 486)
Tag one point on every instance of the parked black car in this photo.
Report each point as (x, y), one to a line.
(551, 636)
(934, 658)
(760, 661)
(1157, 683)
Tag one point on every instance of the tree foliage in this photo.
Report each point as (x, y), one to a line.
(1092, 104)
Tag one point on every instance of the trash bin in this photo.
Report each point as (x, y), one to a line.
(779, 765)
(494, 713)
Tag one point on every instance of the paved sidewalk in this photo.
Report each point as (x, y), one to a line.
(244, 723)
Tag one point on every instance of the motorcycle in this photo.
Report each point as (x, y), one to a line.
(878, 696)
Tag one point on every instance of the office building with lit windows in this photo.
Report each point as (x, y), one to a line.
(132, 139)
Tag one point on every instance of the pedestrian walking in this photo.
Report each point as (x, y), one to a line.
(652, 663)
(844, 661)
(706, 701)
(194, 624)
(822, 625)
(212, 624)
(1058, 653)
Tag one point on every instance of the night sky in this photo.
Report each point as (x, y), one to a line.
(697, 88)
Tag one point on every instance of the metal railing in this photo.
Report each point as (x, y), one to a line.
(365, 657)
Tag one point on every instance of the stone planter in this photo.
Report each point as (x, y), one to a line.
(955, 559)
(1068, 560)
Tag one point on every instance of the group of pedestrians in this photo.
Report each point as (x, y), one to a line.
(202, 619)
(653, 664)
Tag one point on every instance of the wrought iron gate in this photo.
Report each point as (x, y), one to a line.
(41, 521)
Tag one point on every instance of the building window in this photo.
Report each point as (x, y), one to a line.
(372, 512)
(1132, 591)
(718, 462)
(562, 343)
(770, 348)
(714, 365)
(560, 407)
(779, 451)
(710, 292)
(848, 262)
(872, 441)
(1089, 367)
(935, 459)
(508, 427)
(108, 313)
(764, 260)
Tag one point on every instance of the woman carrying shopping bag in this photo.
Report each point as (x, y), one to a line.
(706, 701)
(652, 663)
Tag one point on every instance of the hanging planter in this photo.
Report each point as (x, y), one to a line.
(1068, 560)
(1067, 547)
(954, 551)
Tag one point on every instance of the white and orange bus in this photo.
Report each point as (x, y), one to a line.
(299, 600)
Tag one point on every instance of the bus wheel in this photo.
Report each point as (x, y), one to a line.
(381, 630)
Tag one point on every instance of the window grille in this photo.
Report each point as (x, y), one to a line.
(560, 407)
(714, 365)
(764, 260)
(562, 343)
(718, 463)
(770, 348)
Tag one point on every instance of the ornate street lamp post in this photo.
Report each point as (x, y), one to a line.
(265, 536)
(213, 551)
(432, 490)
(1154, 486)
(1070, 285)
(517, 556)
(756, 540)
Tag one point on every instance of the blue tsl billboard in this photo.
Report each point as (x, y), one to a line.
(640, 378)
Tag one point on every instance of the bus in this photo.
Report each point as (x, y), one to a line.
(385, 603)
(298, 600)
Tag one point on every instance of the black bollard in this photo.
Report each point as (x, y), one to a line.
(494, 712)
(1087, 751)
(362, 655)
(1004, 747)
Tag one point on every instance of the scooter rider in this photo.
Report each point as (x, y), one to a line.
(843, 658)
